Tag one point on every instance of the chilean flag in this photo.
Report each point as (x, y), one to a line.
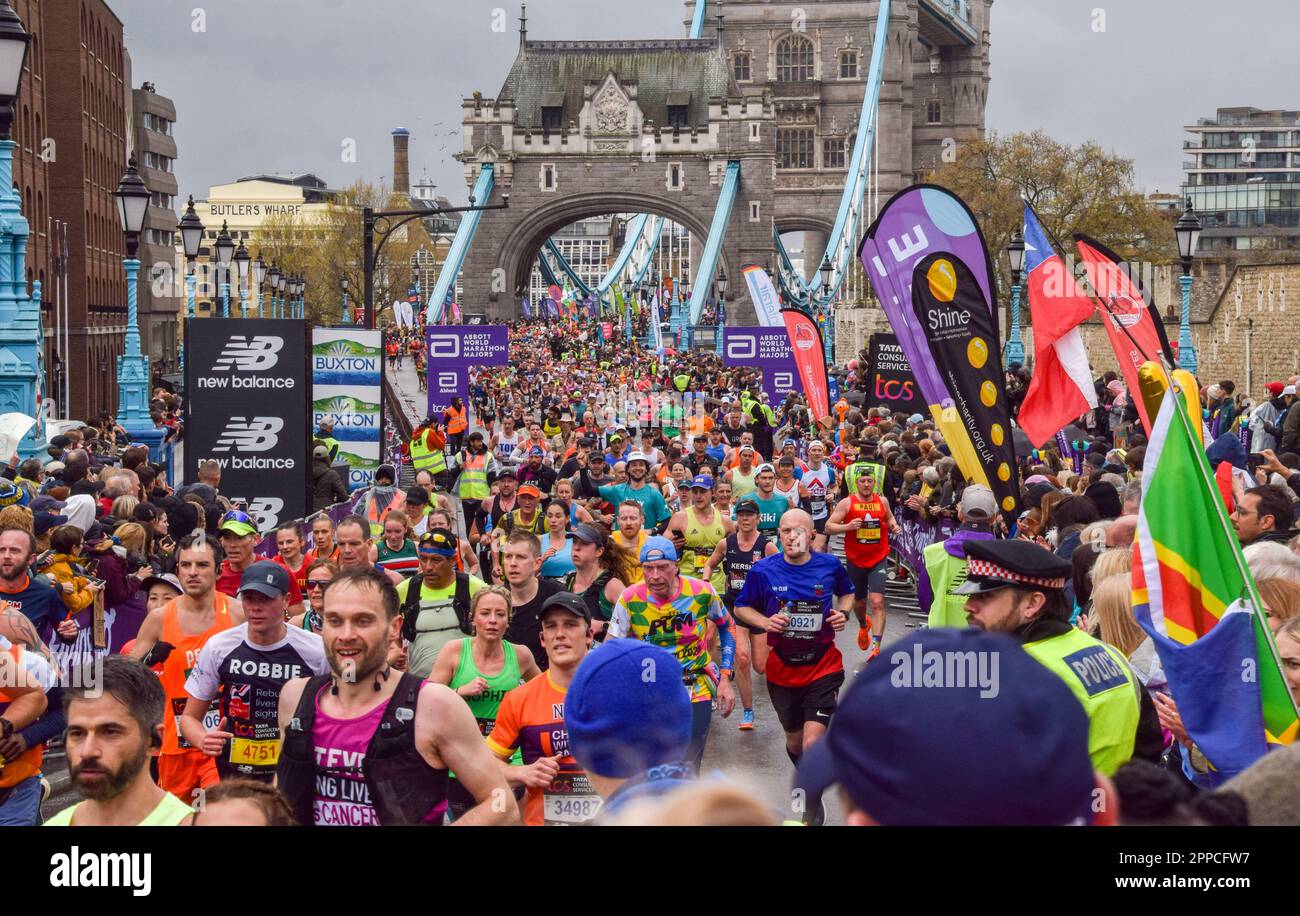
(1061, 388)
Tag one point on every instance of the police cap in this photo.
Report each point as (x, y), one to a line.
(992, 565)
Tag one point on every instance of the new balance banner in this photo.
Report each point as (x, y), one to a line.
(963, 342)
(766, 304)
(809, 360)
(1134, 327)
(916, 222)
(453, 350)
(890, 382)
(769, 351)
(247, 394)
(347, 391)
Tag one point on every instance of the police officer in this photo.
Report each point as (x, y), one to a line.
(1018, 588)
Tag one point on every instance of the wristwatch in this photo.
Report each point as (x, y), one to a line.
(6, 728)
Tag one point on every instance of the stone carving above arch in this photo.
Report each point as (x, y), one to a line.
(610, 107)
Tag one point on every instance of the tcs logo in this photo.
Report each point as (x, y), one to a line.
(894, 390)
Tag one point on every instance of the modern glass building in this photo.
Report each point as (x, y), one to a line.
(1244, 179)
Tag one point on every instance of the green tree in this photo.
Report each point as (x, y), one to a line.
(1073, 189)
(328, 246)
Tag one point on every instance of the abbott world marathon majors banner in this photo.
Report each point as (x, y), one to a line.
(453, 350)
(767, 349)
(247, 409)
(347, 392)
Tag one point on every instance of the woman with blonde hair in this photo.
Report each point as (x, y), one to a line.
(123, 507)
(1281, 598)
(482, 669)
(1112, 603)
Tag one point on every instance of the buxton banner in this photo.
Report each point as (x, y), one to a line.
(950, 305)
(347, 391)
(453, 350)
(890, 382)
(765, 349)
(246, 400)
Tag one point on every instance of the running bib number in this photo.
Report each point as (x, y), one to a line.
(265, 752)
(737, 583)
(700, 560)
(869, 533)
(569, 799)
(805, 617)
(211, 719)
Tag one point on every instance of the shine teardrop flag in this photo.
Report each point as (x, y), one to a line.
(962, 340)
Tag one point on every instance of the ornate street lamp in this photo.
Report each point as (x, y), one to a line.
(1188, 232)
(133, 366)
(259, 274)
(272, 284)
(225, 251)
(343, 282)
(241, 271)
(828, 322)
(1016, 261)
(191, 228)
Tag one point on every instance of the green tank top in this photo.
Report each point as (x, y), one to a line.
(484, 706)
(700, 541)
(742, 485)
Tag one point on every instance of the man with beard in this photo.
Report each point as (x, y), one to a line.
(169, 641)
(374, 749)
(491, 510)
(39, 603)
(246, 667)
(114, 719)
(637, 488)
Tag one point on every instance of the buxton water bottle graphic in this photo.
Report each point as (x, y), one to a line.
(345, 362)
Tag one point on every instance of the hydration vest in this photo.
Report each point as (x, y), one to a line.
(404, 789)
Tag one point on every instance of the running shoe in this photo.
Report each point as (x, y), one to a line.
(746, 721)
(875, 648)
(864, 634)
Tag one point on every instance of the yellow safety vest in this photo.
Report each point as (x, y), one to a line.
(1101, 679)
(424, 458)
(857, 469)
(473, 478)
(946, 573)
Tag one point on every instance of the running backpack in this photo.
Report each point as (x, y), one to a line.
(459, 603)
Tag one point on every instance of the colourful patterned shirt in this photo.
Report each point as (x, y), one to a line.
(681, 626)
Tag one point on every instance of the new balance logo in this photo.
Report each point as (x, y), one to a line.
(249, 355)
(266, 510)
(256, 435)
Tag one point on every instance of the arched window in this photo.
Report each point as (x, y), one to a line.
(794, 59)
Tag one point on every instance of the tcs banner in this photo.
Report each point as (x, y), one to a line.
(890, 382)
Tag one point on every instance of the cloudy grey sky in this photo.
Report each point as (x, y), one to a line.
(279, 86)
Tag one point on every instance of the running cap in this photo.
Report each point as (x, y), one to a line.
(621, 722)
(978, 503)
(237, 523)
(570, 602)
(168, 579)
(747, 505)
(1009, 748)
(266, 577)
(637, 456)
(588, 534)
(658, 548)
(529, 490)
(765, 467)
(702, 482)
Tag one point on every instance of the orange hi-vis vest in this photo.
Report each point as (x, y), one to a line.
(456, 423)
(176, 670)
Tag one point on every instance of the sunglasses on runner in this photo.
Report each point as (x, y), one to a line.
(317, 583)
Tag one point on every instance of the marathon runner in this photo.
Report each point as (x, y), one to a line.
(673, 611)
(114, 722)
(245, 668)
(697, 529)
(801, 598)
(770, 506)
(522, 563)
(531, 719)
(319, 574)
(631, 534)
(169, 641)
(482, 669)
(639, 489)
(353, 536)
(866, 522)
(735, 556)
(742, 476)
(367, 746)
(27, 681)
(602, 569)
(436, 602)
(238, 539)
(289, 554)
(820, 480)
(322, 536)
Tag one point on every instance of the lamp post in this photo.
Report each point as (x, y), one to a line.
(343, 282)
(259, 272)
(302, 297)
(1188, 232)
(133, 366)
(1015, 352)
(20, 314)
(828, 322)
(296, 310)
(241, 271)
(721, 284)
(281, 284)
(191, 228)
(225, 251)
(272, 282)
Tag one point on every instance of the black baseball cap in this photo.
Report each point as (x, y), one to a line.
(747, 505)
(265, 577)
(572, 603)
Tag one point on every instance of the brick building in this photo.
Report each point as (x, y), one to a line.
(83, 69)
